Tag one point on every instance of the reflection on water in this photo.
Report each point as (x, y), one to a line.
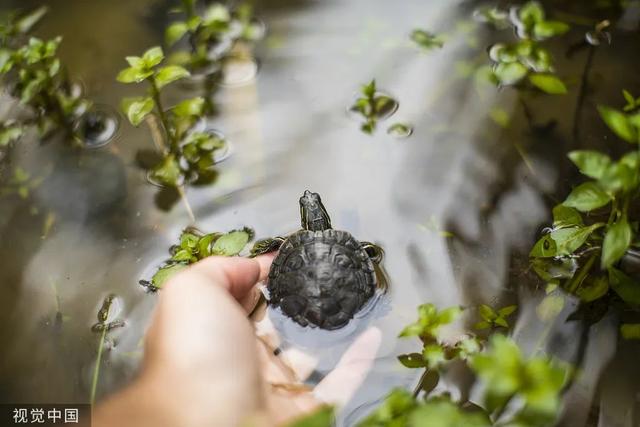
(487, 183)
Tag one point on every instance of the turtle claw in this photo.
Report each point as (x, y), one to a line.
(264, 246)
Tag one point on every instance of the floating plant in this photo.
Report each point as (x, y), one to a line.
(592, 241)
(426, 40)
(373, 105)
(195, 246)
(33, 74)
(216, 36)
(400, 130)
(186, 152)
(517, 390)
(525, 60)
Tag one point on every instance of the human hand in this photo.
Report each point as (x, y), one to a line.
(204, 364)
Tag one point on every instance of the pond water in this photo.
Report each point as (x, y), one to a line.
(456, 205)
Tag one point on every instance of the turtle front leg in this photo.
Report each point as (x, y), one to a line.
(376, 253)
(264, 246)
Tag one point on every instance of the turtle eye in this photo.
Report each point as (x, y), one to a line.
(343, 261)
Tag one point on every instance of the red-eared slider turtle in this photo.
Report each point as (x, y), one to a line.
(320, 276)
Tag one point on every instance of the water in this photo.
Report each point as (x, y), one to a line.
(456, 205)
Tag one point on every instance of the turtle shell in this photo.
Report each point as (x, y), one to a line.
(322, 278)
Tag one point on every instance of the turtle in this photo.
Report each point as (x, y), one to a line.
(321, 277)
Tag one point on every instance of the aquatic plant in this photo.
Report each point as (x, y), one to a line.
(33, 74)
(595, 226)
(492, 319)
(373, 105)
(20, 183)
(103, 326)
(529, 387)
(426, 40)
(187, 155)
(212, 35)
(195, 246)
(525, 60)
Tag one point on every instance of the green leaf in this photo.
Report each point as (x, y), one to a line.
(426, 40)
(163, 274)
(506, 311)
(369, 90)
(548, 83)
(167, 172)
(627, 288)
(230, 244)
(175, 32)
(6, 60)
(569, 239)
(412, 360)
(619, 176)
(133, 75)
(587, 197)
(137, 109)
(630, 331)
(170, 74)
(618, 123)
(10, 134)
(322, 417)
(486, 312)
(591, 163)
(546, 29)
(444, 413)
(153, 57)
(509, 73)
(616, 242)
(564, 216)
(531, 13)
(189, 107)
(393, 411)
(434, 355)
(483, 324)
(592, 287)
(544, 248)
(499, 367)
(28, 21)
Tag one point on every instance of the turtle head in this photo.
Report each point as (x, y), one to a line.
(313, 215)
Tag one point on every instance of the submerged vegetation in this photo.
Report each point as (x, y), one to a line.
(35, 76)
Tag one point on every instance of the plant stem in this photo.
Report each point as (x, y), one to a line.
(155, 94)
(96, 369)
(584, 81)
(187, 205)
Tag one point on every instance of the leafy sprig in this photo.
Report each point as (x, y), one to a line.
(373, 105)
(188, 154)
(531, 388)
(195, 246)
(35, 75)
(525, 58)
(595, 226)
